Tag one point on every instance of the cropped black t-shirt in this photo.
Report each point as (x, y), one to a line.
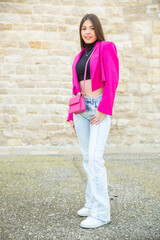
(80, 67)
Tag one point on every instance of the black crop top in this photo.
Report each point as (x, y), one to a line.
(82, 62)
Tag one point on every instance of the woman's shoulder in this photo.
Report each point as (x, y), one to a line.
(108, 45)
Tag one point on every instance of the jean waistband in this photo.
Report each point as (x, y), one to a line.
(99, 97)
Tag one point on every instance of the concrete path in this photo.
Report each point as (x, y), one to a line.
(41, 195)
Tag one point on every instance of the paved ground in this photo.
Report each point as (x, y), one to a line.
(41, 195)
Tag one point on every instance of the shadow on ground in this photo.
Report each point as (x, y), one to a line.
(42, 194)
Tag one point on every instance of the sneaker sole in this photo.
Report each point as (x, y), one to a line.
(83, 215)
(89, 226)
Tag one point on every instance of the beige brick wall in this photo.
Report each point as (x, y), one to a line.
(38, 42)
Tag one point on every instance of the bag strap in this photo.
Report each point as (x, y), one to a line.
(86, 71)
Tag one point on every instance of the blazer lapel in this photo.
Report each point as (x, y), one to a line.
(94, 60)
(75, 78)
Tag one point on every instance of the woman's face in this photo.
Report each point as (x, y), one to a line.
(87, 32)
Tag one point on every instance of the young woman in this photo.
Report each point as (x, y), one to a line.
(92, 126)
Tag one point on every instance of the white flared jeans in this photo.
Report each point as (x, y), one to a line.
(92, 140)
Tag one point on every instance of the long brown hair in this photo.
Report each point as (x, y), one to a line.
(97, 28)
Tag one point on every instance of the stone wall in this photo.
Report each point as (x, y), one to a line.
(38, 42)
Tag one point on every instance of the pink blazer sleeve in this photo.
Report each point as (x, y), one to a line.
(110, 64)
(70, 117)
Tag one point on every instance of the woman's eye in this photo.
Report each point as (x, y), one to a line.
(83, 29)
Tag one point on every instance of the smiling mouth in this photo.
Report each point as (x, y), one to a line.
(88, 37)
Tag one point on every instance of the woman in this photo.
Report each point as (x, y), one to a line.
(92, 126)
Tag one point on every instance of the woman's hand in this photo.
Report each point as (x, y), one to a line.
(72, 124)
(97, 118)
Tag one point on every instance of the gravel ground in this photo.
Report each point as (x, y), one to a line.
(41, 195)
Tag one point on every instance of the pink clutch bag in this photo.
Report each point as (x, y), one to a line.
(77, 103)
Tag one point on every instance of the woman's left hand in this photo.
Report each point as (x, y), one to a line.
(97, 118)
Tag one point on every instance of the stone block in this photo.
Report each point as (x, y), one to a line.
(53, 9)
(34, 109)
(57, 119)
(19, 27)
(3, 52)
(5, 26)
(31, 70)
(156, 26)
(145, 89)
(39, 9)
(8, 99)
(25, 9)
(3, 92)
(154, 75)
(67, 2)
(9, 109)
(47, 19)
(35, 44)
(14, 142)
(153, 8)
(138, 41)
(20, 69)
(26, 85)
(14, 119)
(44, 70)
(78, 11)
(142, 27)
(50, 27)
(53, 127)
(6, 118)
(144, 2)
(128, 2)
(32, 126)
(154, 63)
(34, 26)
(35, 19)
(155, 52)
(62, 100)
(50, 91)
(23, 44)
(71, 20)
(156, 40)
(46, 45)
(62, 28)
(79, 3)
(49, 100)
(123, 122)
(5, 7)
(37, 100)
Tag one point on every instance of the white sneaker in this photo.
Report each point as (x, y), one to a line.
(84, 212)
(91, 222)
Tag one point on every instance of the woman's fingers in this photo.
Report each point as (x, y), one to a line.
(74, 129)
(97, 118)
(72, 125)
(93, 120)
(96, 121)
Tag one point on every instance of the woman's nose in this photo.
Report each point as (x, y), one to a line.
(87, 30)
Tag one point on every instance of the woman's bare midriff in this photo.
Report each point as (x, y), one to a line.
(88, 89)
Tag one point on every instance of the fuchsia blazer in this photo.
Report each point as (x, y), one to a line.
(104, 72)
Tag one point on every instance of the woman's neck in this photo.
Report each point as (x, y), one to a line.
(89, 46)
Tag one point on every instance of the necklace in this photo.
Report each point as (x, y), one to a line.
(89, 52)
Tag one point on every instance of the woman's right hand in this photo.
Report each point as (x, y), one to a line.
(72, 124)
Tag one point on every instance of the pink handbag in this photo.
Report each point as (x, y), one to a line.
(77, 103)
